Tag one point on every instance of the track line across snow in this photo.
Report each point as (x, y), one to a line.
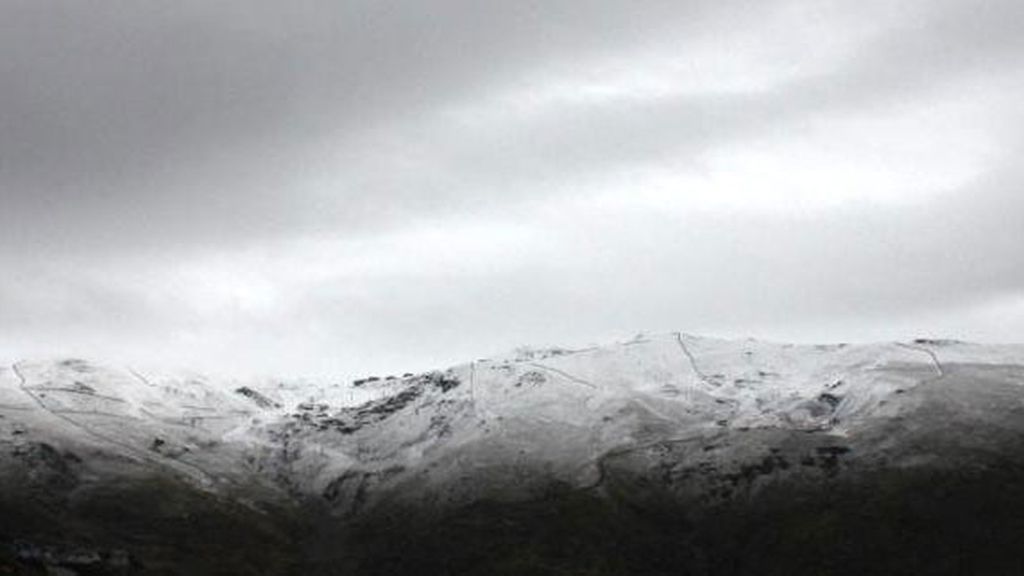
(564, 374)
(693, 362)
(191, 470)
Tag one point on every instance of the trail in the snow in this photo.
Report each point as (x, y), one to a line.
(936, 363)
(564, 374)
(693, 362)
(100, 413)
(190, 470)
(141, 378)
(79, 392)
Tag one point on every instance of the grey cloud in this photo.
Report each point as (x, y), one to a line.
(162, 132)
(104, 105)
(596, 280)
(127, 118)
(713, 274)
(955, 44)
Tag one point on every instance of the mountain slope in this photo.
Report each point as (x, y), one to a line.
(666, 454)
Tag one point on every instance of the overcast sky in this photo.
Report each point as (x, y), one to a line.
(342, 188)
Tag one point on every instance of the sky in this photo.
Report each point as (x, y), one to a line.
(340, 188)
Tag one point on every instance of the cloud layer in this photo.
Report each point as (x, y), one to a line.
(344, 187)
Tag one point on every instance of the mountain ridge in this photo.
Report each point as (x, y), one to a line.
(670, 421)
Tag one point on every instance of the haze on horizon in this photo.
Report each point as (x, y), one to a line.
(345, 188)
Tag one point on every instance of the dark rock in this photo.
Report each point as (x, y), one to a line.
(259, 399)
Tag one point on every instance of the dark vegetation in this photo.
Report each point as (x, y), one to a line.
(888, 522)
(153, 526)
(954, 522)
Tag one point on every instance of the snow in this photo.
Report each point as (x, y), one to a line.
(556, 410)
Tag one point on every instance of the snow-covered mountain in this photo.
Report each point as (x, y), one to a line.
(116, 471)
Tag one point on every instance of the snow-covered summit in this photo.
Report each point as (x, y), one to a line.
(704, 421)
(556, 410)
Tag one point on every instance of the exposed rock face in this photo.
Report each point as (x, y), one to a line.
(668, 455)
